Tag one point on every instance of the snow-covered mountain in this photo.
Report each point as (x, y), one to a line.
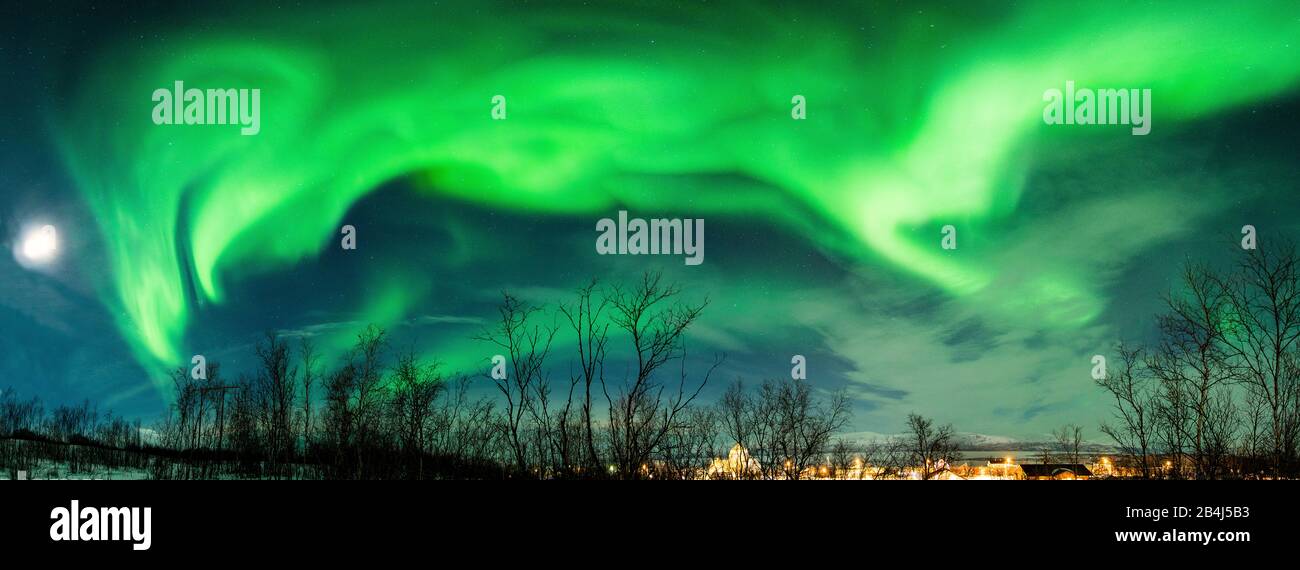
(970, 441)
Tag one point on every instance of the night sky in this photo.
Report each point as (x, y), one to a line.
(822, 235)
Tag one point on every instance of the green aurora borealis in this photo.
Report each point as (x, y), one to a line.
(918, 117)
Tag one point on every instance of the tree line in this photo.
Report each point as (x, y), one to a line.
(79, 438)
(386, 413)
(1217, 393)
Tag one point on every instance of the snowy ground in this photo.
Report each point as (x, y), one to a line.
(47, 470)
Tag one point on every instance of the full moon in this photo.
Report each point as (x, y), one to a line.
(41, 245)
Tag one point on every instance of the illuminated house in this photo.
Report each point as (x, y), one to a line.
(737, 465)
(1057, 471)
(1005, 469)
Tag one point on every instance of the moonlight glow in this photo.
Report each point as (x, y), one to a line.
(40, 245)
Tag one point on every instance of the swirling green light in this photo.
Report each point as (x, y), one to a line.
(916, 118)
